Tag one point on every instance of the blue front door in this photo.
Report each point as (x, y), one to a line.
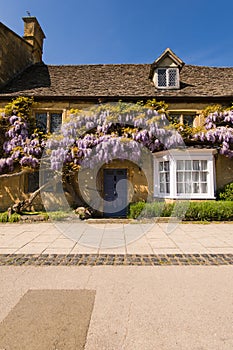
(115, 192)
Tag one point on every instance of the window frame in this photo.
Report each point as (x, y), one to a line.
(180, 114)
(190, 154)
(168, 69)
(49, 112)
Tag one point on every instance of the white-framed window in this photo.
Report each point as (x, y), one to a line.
(189, 174)
(164, 176)
(167, 78)
(48, 121)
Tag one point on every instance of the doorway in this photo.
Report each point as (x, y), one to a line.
(115, 193)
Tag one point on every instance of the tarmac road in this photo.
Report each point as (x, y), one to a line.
(136, 307)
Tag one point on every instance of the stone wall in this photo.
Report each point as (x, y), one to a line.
(15, 54)
(12, 189)
(224, 171)
(90, 183)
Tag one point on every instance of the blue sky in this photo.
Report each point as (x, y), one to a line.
(128, 31)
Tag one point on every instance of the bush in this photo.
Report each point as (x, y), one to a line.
(14, 217)
(210, 211)
(226, 194)
(135, 209)
(187, 211)
(149, 210)
(4, 217)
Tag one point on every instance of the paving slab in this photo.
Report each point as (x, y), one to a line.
(129, 238)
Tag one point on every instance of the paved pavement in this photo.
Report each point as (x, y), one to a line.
(159, 238)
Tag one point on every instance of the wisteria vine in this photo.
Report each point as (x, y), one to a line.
(218, 132)
(90, 139)
(20, 147)
(106, 133)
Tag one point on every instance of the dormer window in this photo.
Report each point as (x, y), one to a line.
(165, 71)
(167, 78)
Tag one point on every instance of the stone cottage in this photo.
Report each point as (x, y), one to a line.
(57, 89)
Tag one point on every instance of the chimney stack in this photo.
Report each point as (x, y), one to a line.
(35, 36)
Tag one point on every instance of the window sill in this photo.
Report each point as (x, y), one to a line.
(191, 197)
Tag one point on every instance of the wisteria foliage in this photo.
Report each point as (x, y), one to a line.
(99, 136)
(218, 132)
(21, 147)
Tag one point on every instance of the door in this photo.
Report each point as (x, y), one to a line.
(115, 192)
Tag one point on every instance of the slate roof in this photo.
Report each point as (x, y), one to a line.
(116, 80)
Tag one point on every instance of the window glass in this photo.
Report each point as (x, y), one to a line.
(204, 188)
(172, 77)
(188, 119)
(41, 122)
(162, 79)
(203, 164)
(33, 181)
(180, 165)
(164, 177)
(174, 118)
(55, 121)
(188, 165)
(196, 165)
(191, 176)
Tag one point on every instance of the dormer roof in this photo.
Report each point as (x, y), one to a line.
(167, 59)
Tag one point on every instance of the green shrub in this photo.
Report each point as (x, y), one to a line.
(226, 194)
(210, 211)
(149, 210)
(14, 217)
(4, 217)
(135, 209)
(185, 210)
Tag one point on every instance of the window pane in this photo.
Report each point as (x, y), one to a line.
(196, 165)
(180, 188)
(162, 81)
(160, 166)
(196, 188)
(180, 165)
(41, 122)
(180, 176)
(172, 77)
(188, 119)
(204, 188)
(188, 188)
(167, 177)
(162, 177)
(187, 176)
(162, 187)
(167, 188)
(56, 120)
(203, 177)
(195, 176)
(166, 166)
(203, 164)
(174, 118)
(188, 165)
(33, 181)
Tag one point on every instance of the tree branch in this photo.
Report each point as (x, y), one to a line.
(14, 174)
